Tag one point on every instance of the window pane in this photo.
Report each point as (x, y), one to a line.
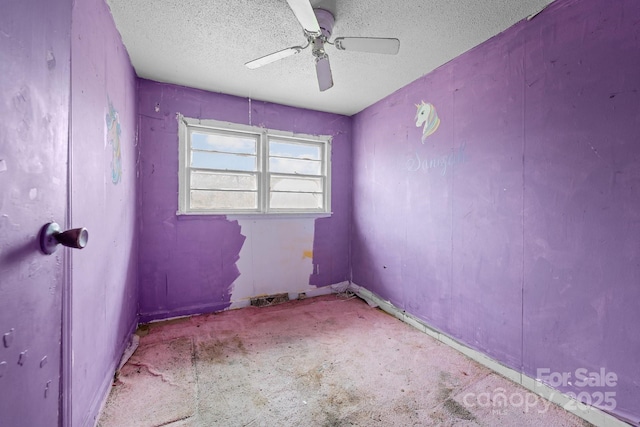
(221, 142)
(223, 161)
(225, 172)
(223, 181)
(295, 200)
(201, 199)
(294, 166)
(294, 150)
(297, 184)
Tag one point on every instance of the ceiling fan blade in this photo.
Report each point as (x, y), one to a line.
(368, 44)
(323, 70)
(303, 11)
(272, 57)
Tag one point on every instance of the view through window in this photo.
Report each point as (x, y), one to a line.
(230, 168)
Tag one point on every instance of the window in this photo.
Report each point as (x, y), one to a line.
(227, 168)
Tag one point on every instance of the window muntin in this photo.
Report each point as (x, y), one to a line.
(228, 168)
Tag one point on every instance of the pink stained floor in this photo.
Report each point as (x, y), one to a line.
(325, 361)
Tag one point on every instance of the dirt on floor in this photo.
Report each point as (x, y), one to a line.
(325, 361)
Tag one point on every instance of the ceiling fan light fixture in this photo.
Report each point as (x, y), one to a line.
(318, 47)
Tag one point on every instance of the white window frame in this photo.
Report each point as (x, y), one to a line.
(262, 135)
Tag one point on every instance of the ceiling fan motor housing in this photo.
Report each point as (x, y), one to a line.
(325, 20)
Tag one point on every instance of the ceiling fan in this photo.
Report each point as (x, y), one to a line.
(317, 25)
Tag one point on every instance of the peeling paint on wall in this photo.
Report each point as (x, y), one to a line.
(180, 256)
(7, 338)
(271, 264)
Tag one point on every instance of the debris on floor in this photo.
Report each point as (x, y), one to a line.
(266, 301)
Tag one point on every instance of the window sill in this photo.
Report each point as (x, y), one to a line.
(253, 215)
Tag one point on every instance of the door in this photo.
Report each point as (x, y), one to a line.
(34, 120)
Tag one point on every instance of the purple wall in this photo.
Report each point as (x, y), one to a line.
(34, 106)
(188, 263)
(104, 182)
(515, 226)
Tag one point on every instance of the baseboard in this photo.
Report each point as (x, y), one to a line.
(160, 315)
(194, 310)
(588, 413)
(100, 399)
(307, 292)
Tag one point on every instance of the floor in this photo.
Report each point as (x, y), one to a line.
(324, 361)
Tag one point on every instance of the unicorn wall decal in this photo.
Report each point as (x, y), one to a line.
(428, 116)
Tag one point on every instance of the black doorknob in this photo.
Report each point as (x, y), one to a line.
(51, 237)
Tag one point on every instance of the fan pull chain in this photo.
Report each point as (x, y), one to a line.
(250, 124)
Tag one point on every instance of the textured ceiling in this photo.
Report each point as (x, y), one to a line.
(205, 43)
